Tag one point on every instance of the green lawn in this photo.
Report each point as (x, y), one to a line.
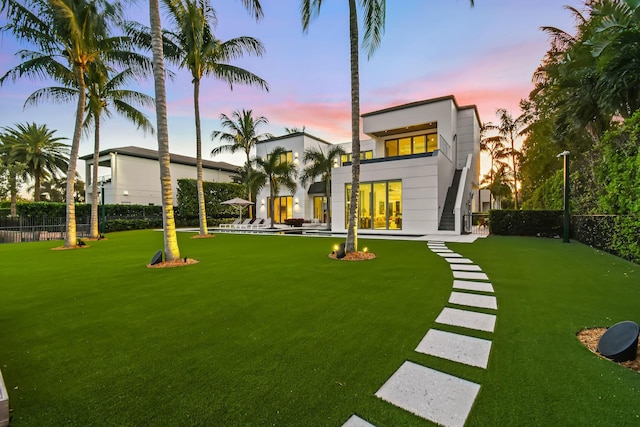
(267, 330)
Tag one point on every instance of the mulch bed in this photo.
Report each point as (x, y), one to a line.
(205, 236)
(171, 264)
(590, 338)
(354, 256)
(66, 248)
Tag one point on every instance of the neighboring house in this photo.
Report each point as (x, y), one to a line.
(417, 173)
(131, 175)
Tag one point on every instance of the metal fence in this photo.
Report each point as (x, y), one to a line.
(27, 229)
(477, 223)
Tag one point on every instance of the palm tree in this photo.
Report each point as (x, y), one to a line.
(271, 171)
(242, 135)
(320, 164)
(294, 129)
(494, 146)
(171, 249)
(374, 17)
(102, 91)
(15, 172)
(75, 32)
(38, 149)
(193, 46)
(510, 129)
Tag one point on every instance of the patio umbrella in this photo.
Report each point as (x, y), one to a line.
(239, 203)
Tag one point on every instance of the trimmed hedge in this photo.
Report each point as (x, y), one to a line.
(526, 223)
(214, 194)
(616, 234)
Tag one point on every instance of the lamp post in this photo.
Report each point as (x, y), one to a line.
(567, 218)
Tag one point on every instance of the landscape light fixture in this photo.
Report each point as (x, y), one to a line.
(567, 217)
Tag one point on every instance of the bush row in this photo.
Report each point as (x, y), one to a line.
(58, 210)
(616, 234)
(526, 223)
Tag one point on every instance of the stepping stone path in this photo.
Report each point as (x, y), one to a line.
(437, 396)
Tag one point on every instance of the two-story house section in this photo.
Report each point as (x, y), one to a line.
(418, 173)
(131, 175)
(308, 202)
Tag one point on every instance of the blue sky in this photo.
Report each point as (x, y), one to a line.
(484, 55)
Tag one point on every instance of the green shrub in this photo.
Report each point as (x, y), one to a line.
(214, 194)
(132, 224)
(526, 223)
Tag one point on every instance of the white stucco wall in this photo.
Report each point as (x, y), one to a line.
(296, 143)
(136, 181)
(419, 192)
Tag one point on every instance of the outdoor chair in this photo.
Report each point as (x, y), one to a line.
(233, 224)
(243, 224)
(257, 224)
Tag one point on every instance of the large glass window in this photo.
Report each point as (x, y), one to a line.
(320, 208)
(379, 205)
(283, 207)
(285, 157)
(411, 145)
(365, 205)
(364, 155)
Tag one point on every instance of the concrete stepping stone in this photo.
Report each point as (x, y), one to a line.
(465, 267)
(430, 394)
(442, 251)
(356, 421)
(469, 275)
(473, 300)
(473, 286)
(467, 319)
(458, 348)
(449, 255)
(459, 260)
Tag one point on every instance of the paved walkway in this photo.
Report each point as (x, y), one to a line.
(438, 396)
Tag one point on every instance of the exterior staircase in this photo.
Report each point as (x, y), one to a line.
(447, 220)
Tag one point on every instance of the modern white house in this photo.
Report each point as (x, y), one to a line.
(131, 175)
(418, 172)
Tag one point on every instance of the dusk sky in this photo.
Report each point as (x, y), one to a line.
(484, 55)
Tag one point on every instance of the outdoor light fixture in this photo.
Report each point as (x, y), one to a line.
(336, 247)
(365, 250)
(567, 217)
(262, 202)
(295, 155)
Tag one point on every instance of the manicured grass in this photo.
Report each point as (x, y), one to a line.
(539, 373)
(267, 330)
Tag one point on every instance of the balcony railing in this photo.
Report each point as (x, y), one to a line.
(444, 147)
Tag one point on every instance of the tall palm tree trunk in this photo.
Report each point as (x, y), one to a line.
(13, 189)
(171, 249)
(71, 237)
(352, 232)
(328, 195)
(37, 190)
(249, 195)
(515, 175)
(94, 179)
(202, 211)
(272, 204)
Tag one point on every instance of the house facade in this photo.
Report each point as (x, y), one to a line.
(418, 172)
(131, 175)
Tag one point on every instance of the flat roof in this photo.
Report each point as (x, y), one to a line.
(145, 153)
(290, 135)
(425, 102)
